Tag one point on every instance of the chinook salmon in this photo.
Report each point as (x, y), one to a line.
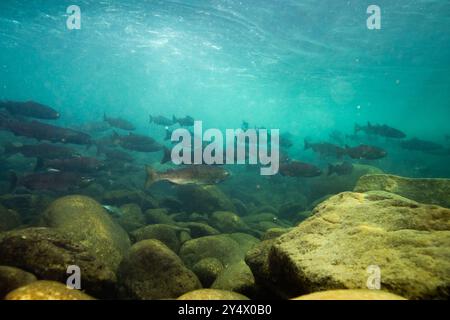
(192, 174)
(43, 131)
(119, 123)
(364, 151)
(41, 150)
(299, 169)
(30, 109)
(380, 130)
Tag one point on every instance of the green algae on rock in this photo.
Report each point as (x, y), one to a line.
(212, 294)
(85, 221)
(151, 270)
(237, 278)
(47, 253)
(46, 290)
(227, 222)
(207, 270)
(349, 232)
(349, 294)
(431, 191)
(167, 234)
(131, 217)
(12, 278)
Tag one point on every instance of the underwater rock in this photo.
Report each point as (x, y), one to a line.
(221, 247)
(172, 204)
(198, 229)
(257, 259)
(47, 290)
(9, 219)
(301, 216)
(30, 206)
(245, 241)
(167, 234)
(212, 294)
(47, 253)
(152, 271)
(326, 185)
(204, 199)
(237, 278)
(207, 270)
(227, 222)
(160, 215)
(84, 220)
(123, 196)
(431, 191)
(274, 233)
(355, 294)
(12, 278)
(289, 210)
(131, 217)
(264, 221)
(351, 232)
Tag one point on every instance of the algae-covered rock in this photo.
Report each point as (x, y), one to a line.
(12, 278)
(354, 294)
(9, 219)
(207, 270)
(152, 271)
(167, 234)
(221, 247)
(158, 216)
(351, 235)
(198, 229)
(227, 222)
(47, 290)
(212, 294)
(131, 217)
(274, 233)
(431, 191)
(85, 221)
(245, 241)
(47, 253)
(237, 277)
(204, 199)
(30, 206)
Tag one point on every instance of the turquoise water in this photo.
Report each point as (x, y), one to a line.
(311, 69)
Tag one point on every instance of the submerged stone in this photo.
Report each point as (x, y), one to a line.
(152, 271)
(350, 234)
(12, 278)
(350, 295)
(432, 191)
(212, 294)
(204, 199)
(47, 290)
(84, 220)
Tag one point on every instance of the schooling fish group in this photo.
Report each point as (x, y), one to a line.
(60, 167)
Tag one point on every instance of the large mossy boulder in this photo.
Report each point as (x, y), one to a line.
(84, 220)
(431, 191)
(227, 222)
(47, 290)
(352, 234)
(152, 271)
(198, 229)
(131, 217)
(47, 253)
(237, 278)
(204, 199)
(12, 278)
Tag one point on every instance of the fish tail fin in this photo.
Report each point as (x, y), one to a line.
(39, 164)
(174, 119)
(307, 145)
(115, 136)
(152, 176)
(167, 156)
(330, 169)
(13, 179)
(9, 149)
